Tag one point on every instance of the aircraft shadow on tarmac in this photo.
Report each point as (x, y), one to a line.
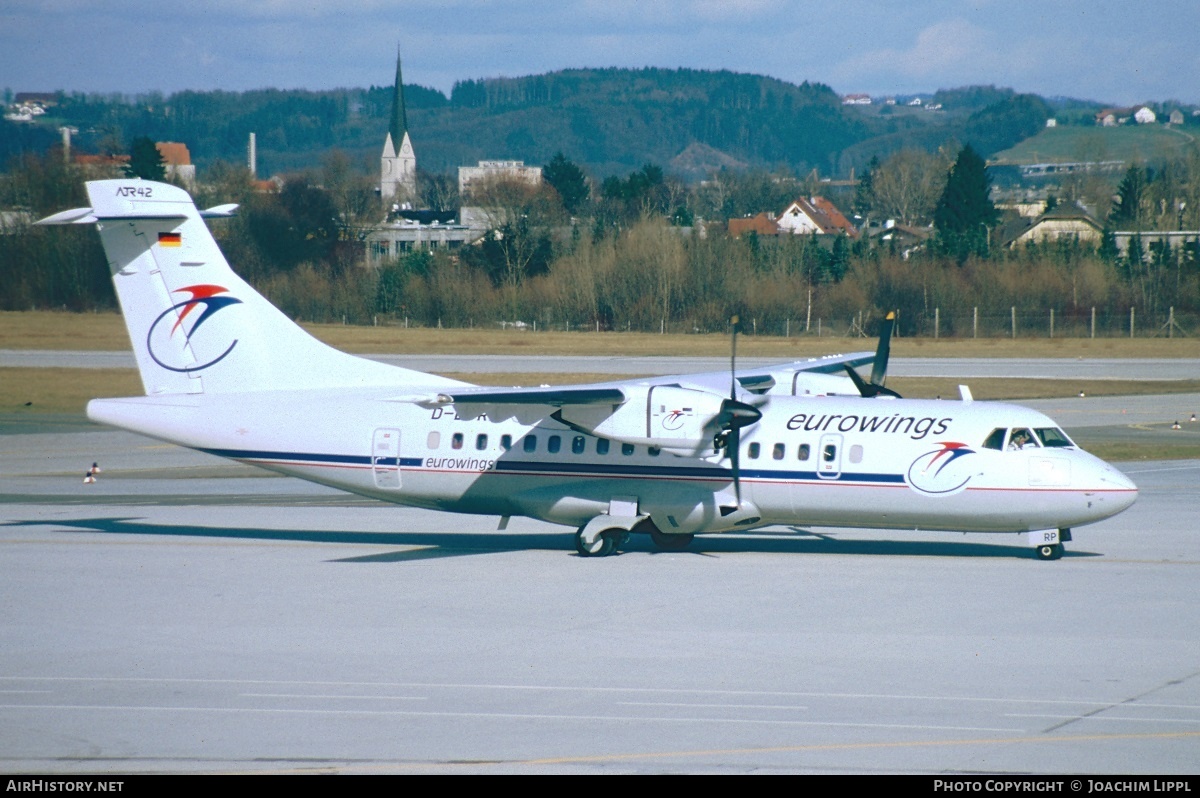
(432, 545)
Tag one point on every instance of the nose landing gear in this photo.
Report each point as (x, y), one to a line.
(1049, 551)
(1048, 543)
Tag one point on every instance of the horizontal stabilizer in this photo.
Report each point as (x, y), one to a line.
(73, 216)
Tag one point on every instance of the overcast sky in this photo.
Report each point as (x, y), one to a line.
(1114, 52)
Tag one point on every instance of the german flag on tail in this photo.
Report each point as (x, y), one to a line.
(170, 240)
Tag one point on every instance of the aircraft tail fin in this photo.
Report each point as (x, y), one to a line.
(196, 327)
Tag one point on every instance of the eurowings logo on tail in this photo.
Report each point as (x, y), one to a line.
(169, 351)
(940, 471)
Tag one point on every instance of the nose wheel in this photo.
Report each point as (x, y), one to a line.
(1049, 551)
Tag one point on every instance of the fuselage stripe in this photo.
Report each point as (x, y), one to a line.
(415, 465)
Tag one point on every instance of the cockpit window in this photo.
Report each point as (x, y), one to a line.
(1021, 438)
(1053, 437)
(995, 439)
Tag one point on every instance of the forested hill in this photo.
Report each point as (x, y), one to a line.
(612, 121)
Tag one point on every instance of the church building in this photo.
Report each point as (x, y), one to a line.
(398, 167)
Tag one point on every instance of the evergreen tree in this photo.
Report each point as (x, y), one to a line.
(864, 193)
(569, 181)
(1127, 208)
(145, 161)
(965, 211)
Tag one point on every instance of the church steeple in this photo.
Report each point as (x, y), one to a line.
(398, 167)
(399, 124)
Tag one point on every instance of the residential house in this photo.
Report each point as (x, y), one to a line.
(762, 224)
(812, 216)
(1111, 117)
(1063, 222)
(815, 215)
(177, 163)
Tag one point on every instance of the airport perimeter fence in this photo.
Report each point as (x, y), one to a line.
(933, 323)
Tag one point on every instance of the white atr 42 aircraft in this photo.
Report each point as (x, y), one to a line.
(808, 443)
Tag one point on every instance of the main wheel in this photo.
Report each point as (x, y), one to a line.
(667, 542)
(604, 544)
(1050, 551)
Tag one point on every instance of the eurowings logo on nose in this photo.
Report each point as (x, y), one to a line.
(171, 351)
(940, 471)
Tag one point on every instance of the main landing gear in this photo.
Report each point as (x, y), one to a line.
(600, 538)
(601, 545)
(666, 542)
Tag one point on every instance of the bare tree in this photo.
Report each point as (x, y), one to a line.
(907, 186)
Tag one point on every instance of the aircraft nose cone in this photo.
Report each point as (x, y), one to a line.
(1121, 490)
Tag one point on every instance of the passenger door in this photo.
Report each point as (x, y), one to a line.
(830, 465)
(385, 458)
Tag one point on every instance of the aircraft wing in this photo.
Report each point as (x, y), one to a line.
(599, 394)
(756, 381)
(796, 377)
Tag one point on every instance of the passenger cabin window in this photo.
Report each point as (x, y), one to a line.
(434, 440)
(554, 444)
(456, 442)
(654, 451)
(804, 452)
(753, 450)
(995, 439)
(626, 449)
(506, 442)
(578, 444)
(602, 446)
(856, 453)
(530, 443)
(777, 451)
(480, 442)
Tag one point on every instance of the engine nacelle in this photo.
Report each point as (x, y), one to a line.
(682, 420)
(796, 382)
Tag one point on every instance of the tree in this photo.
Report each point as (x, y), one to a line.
(145, 161)
(518, 245)
(439, 192)
(864, 192)
(965, 211)
(569, 181)
(1127, 208)
(905, 187)
(352, 193)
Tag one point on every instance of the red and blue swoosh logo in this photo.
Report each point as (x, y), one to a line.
(203, 303)
(940, 471)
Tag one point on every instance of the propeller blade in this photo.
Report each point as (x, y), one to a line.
(869, 390)
(735, 326)
(733, 417)
(883, 351)
(733, 447)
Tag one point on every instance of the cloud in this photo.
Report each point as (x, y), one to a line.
(954, 46)
(1076, 47)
